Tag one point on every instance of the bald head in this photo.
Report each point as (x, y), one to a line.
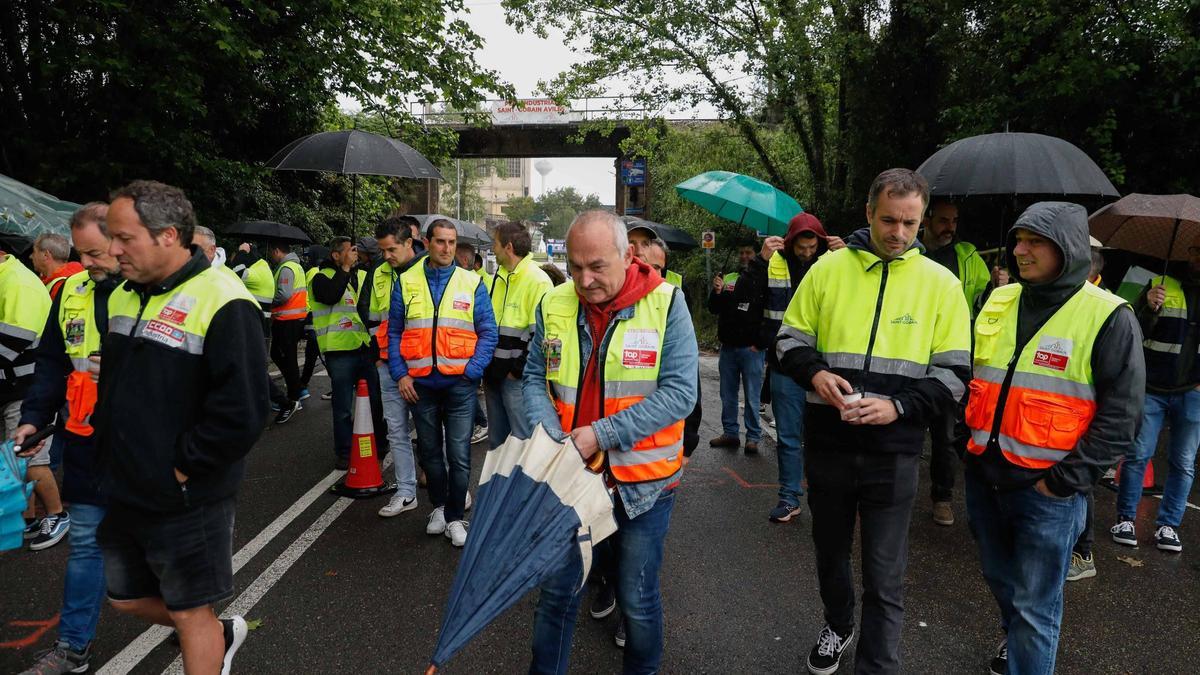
(598, 255)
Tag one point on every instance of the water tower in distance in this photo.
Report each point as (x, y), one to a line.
(543, 167)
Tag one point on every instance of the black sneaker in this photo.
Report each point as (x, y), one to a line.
(32, 528)
(286, 413)
(61, 659)
(327, 396)
(341, 463)
(999, 664)
(54, 528)
(783, 512)
(619, 636)
(1124, 533)
(826, 655)
(605, 601)
(235, 634)
(1167, 539)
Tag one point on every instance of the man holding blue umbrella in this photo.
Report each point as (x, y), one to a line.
(613, 355)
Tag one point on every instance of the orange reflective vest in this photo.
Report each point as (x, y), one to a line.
(441, 335)
(81, 338)
(629, 370)
(295, 307)
(1050, 400)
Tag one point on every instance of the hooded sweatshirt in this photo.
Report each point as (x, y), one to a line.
(1118, 368)
(797, 268)
(640, 279)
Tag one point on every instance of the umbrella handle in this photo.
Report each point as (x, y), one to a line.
(596, 463)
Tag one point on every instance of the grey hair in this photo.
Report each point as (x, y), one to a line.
(91, 212)
(204, 233)
(620, 234)
(55, 244)
(160, 206)
(659, 244)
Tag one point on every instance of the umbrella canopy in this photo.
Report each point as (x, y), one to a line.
(536, 501)
(266, 229)
(30, 212)
(675, 238)
(1162, 226)
(353, 152)
(1014, 164)
(742, 199)
(467, 230)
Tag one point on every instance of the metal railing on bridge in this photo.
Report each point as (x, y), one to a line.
(535, 111)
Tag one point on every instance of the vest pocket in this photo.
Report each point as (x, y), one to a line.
(979, 406)
(1048, 423)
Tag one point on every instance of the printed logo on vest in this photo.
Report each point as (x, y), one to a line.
(640, 348)
(163, 334)
(905, 320)
(553, 350)
(462, 302)
(74, 332)
(1053, 353)
(177, 309)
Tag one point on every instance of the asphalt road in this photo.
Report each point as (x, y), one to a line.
(338, 589)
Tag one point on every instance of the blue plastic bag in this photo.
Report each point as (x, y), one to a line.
(14, 496)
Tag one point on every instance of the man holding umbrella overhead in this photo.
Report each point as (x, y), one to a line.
(613, 356)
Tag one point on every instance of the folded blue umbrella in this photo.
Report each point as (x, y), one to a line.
(536, 501)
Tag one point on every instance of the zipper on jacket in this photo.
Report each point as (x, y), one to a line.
(187, 499)
(433, 342)
(875, 321)
(998, 414)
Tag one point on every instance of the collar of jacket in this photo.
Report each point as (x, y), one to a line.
(197, 264)
(520, 267)
(860, 242)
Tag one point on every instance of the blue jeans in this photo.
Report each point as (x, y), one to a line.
(446, 416)
(1182, 411)
(345, 370)
(395, 416)
(1025, 540)
(638, 547)
(787, 400)
(84, 585)
(506, 411)
(741, 365)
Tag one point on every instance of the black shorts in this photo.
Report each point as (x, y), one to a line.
(185, 558)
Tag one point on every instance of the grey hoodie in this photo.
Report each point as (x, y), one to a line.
(1118, 367)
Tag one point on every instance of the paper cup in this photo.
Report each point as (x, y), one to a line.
(851, 414)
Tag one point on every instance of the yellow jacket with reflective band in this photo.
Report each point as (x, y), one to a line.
(973, 273)
(177, 320)
(1163, 344)
(24, 306)
(382, 280)
(338, 327)
(779, 287)
(81, 337)
(295, 307)
(261, 284)
(487, 278)
(515, 296)
(441, 335)
(629, 373)
(1051, 399)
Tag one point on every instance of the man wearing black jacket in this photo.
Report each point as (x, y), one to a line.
(181, 401)
(1055, 400)
(738, 303)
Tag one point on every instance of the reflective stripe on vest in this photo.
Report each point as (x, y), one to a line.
(1051, 399)
(338, 327)
(779, 287)
(178, 319)
(1163, 345)
(295, 307)
(24, 304)
(443, 334)
(630, 367)
(261, 284)
(382, 281)
(81, 338)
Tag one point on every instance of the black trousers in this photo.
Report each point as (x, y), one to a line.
(845, 485)
(948, 435)
(285, 338)
(312, 354)
(691, 424)
(1088, 537)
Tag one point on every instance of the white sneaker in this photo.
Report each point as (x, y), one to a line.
(468, 504)
(457, 533)
(398, 505)
(481, 434)
(437, 521)
(235, 630)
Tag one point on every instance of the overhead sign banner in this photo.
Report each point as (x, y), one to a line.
(533, 111)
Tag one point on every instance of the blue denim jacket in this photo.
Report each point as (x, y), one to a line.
(671, 402)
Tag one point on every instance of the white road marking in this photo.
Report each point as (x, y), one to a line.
(133, 653)
(1189, 504)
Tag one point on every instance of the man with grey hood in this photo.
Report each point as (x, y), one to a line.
(1055, 400)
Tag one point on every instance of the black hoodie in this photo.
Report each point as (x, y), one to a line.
(1118, 367)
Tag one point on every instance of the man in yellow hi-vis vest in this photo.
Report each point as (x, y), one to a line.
(879, 335)
(627, 397)
(1055, 400)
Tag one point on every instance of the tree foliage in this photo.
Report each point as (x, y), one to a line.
(199, 94)
(560, 206)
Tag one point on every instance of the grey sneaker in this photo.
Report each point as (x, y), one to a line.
(1081, 567)
(61, 659)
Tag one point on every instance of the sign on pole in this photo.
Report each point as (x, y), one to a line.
(708, 240)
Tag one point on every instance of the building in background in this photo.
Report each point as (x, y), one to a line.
(495, 190)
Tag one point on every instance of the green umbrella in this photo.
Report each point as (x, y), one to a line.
(29, 212)
(742, 199)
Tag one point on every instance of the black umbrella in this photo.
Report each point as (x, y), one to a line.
(467, 231)
(1014, 165)
(675, 238)
(353, 152)
(265, 229)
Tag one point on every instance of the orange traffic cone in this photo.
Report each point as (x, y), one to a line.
(1147, 480)
(364, 478)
